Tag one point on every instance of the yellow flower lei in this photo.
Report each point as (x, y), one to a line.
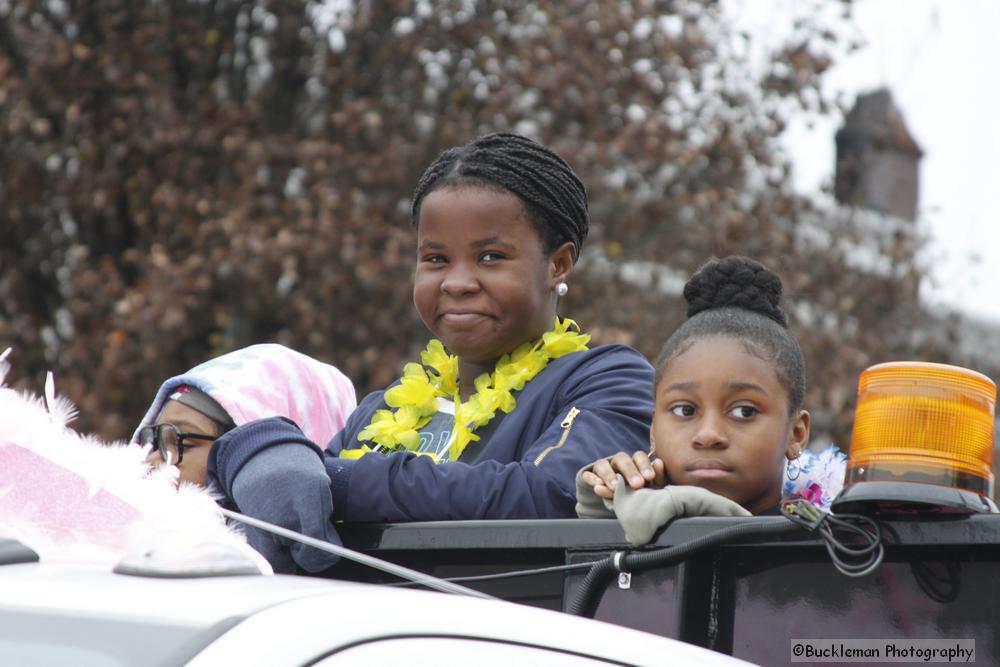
(415, 397)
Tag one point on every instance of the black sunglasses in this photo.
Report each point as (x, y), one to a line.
(169, 441)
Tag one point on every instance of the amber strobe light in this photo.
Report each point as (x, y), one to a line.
(922, 441)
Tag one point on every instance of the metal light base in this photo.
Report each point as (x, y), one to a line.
(913, 498)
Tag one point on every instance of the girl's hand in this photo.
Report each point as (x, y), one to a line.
(639, 470)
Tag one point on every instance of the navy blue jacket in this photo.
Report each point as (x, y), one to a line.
(523, 466)
(525, 463)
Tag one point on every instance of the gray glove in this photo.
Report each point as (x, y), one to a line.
(589, 505)
(641, 512)
(287, 485)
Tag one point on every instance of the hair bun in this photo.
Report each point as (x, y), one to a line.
(735, 282)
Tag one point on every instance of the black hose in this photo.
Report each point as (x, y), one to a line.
(588, 596)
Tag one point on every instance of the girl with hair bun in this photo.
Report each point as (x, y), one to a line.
(727, 413)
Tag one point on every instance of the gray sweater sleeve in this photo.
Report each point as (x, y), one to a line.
(589, 505)
(642, 512)
(287, 485)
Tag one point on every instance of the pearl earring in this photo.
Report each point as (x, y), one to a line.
(561, 289)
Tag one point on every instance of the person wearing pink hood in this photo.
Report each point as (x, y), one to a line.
(191, 410)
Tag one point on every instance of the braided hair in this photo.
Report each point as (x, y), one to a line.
(739, 298)
(554, 198)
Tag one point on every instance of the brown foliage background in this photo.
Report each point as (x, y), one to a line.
(185, 177)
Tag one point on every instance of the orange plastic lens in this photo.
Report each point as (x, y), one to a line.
(923, 422)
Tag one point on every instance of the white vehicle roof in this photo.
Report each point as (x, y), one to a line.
(89, 616)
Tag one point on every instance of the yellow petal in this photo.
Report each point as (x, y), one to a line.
(443, 365)
(414, 390)
(508, 403)
(354, 453)
(519, 351)
(561, 340)
(409, 439)
(462, 438)
(435, 354)
(407, 417)
(483, 382)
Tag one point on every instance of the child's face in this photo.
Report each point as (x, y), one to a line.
(721, 422)
(483, 283)
(194, 465)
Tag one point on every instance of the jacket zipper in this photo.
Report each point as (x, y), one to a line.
(567, 426)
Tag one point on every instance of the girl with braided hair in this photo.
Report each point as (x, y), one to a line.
(728, 411)
(505, 404)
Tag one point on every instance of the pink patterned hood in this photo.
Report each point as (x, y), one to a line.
(269, 380)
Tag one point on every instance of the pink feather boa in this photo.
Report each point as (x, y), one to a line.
(73, 497)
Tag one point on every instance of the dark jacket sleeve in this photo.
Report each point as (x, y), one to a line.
(270, 471)
(236, 447)
(612, 394)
